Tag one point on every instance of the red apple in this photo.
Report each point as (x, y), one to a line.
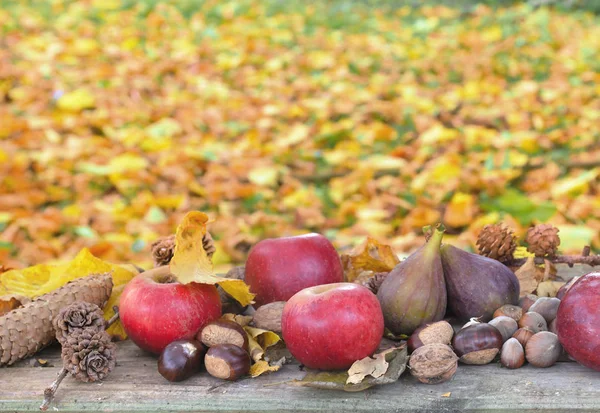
(156, 311)
(278, 268)
(578, 321)
(329, 327)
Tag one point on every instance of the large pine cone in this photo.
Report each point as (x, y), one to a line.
(89, 355)
(162, 249)
(497, 241)
(543, 240)
(78, 316)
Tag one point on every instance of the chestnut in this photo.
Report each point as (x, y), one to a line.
(543, 349)
(227, 362)
(547, 307)
(527, 301)
(438, 332)
(509, 310)
(181, 359)
(523, 335)
(512, 355)
(223, 332)
(477, 344)
(506, 325)
(533, 321)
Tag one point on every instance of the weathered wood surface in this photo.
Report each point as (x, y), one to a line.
(135, 385)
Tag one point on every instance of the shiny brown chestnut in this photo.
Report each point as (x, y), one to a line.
(543, 349)
(523, 335)
(429, 333)
(181, 359)
(227, 362)
(547, 307)
(506, 325)
(223, 332)
(533, 321)
(477, 344)
(509, 310)
(512, 355)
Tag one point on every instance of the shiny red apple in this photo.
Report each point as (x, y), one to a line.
(278, 268)
(329, 327)
(156, 311)
(578, 321)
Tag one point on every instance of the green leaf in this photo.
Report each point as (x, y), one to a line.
(85, 232)
(519, 206)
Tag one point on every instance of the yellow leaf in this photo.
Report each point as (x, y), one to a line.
(521, 252)
(369, 256)
(529, 276)
(549, 288)
(265, 338)
(460, 210)
(264, 176)
(260, 367)
(190, 263)
(44, 278)
(76, 101)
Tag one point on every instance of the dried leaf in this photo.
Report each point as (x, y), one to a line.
(549, 288)
(447, 394)
(261, 367)
(10, 302)
(369, 366)
(242, 320)
(529, 276)
(369, 256)
(191, 263)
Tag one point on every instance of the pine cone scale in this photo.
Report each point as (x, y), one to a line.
(496, 241)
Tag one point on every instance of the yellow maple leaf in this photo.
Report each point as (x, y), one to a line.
(190, 262)
(261, 366)
(369, 256)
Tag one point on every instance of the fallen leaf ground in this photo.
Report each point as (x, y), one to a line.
(116, 118)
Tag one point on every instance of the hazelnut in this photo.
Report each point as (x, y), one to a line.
(533, 321)
(433, 363)
(181, 359)
(438, 332)
(227, 362)
(223, 332)
(477, 344)
(506, 325)
(527, 301)
(509, 310)
(552, 327)
(543, 349)
(546, 307)
(512, 355)
(268, 316)
(523, 335)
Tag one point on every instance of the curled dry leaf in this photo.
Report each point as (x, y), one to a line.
(529, 276)
(548, 288)
(191, 263)
(10, 302)
(369, 256)
(369, 366)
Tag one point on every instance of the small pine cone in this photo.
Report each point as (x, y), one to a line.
(543, 240)
(373, 283)
(78, 316)
(162, 249)
(89, 355)
(497, 241)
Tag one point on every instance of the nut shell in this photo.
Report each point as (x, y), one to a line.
(227, 362)
(533, 321)
(438, 332)
(547, 307)
(512, 355)
(223, 332)
(433, 363)
(543, 349)
(523, 335)
(181, 359)
(506, 325)
(268, 316)
(477, 344)
(509, 310)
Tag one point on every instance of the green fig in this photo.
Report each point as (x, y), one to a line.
(414, 292)
(477, 286)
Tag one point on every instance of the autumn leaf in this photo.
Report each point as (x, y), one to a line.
(529, 276)
(190, 262)
(369, 256)
(10, 302)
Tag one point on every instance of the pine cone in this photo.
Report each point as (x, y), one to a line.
(26, 330)
(373, 283)
(543, 240)
(497, 241)
(78, 316)
(89, 355)
(162, 249)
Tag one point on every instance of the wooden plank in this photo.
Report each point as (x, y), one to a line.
(135, 386)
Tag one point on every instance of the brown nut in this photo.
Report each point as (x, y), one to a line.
(438, 332)
(433, 363)
(543, 349)
(523, 335)
(227, 362)
(527, 301)
(533, 321)
(506, 325)
(509, 310)
(546, 307)
(512, 355)
(223, 332)
(268, 316)
(477, 344)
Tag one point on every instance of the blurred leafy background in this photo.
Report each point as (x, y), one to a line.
(350, 118)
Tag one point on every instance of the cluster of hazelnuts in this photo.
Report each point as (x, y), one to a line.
(516, 333)
(227, 356)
